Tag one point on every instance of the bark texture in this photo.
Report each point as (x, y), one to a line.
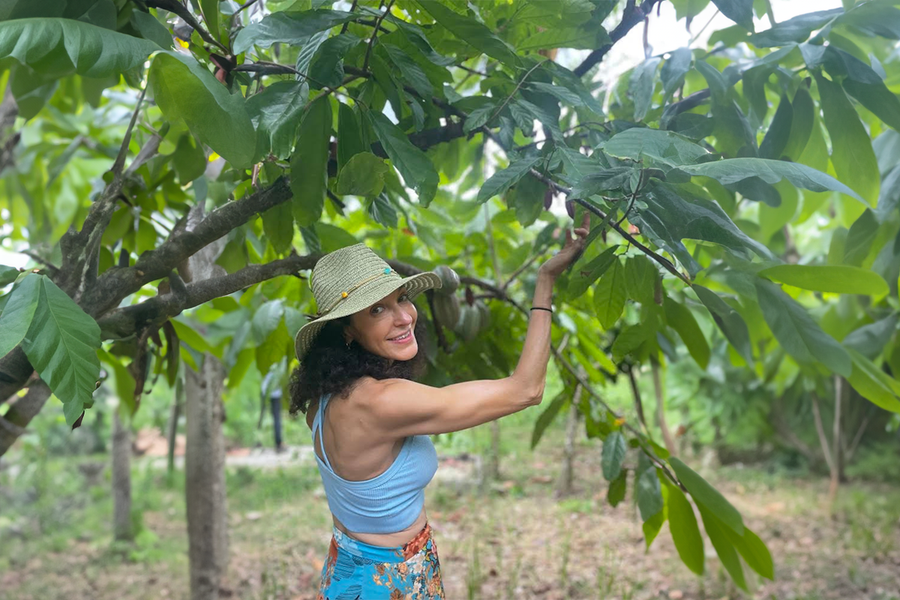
(205, 479)
(121, 480)
(564, 484)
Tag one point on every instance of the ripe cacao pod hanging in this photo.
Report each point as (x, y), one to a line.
(449, 280)
(469, 322)
(446, 310)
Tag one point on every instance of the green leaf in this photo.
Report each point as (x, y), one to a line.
(416, 168)
(602, 180)
(649, 494)
(640, 279)
(383, 211)
(184, 89)
(7, 276)
(19, 312)
(309, 164)
(574, 84)
(733, 170)
(682, 320)
(652, 526)
(189, 160)
(794, 30)
(293, 28)
(58, 47)
(684, 530)
(873, 384)
(410, 70)
(151, 29)
(479, 117)
(350, 135)
(471, 31)
(833, 279)
(851, 149)
(276, 113)
(528, 200)
(210, 11)
(662, 147)
(610, 294)
(864, 84)
(739, 11)
(797, 333)
(585, 36)
(187, 335)
(803, 118)
(777, 136)
(617, 488)
(753, 550)
(546, 417)
(632, 337)
(724, 548)
(61, 344)
(278, 225)
(870, 340)
(327, 66)
(674, 70)
(502, 180)
(708, 496)
(584, 275)
(643, 81)
(125, 384)
(729, 321)
(363, 175)
(614, 448)
(860, 238)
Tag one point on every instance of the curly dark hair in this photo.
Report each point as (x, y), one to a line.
(330, 367)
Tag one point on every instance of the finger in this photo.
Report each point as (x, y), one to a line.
(586, 221)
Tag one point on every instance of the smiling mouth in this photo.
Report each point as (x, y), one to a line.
(401, 338)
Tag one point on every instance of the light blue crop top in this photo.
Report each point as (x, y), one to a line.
(388, 502)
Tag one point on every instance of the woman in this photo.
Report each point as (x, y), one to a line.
(371, 422)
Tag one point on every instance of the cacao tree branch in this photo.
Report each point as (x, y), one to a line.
(631, 16)
(13, 423)
(177, 8)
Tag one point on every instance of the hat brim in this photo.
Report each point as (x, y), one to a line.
(365, 297)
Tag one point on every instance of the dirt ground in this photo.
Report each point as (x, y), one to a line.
(517, 540)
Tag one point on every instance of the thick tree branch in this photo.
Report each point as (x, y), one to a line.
(630, 17)
(176, 7)
(126, 321)
(13, 423)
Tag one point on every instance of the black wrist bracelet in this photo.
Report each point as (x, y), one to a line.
(549, 310)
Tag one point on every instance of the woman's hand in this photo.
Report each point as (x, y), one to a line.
(570, 252)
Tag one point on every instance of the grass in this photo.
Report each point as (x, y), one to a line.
(513, 541)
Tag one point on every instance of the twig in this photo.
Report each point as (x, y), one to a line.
(270, 68)
(123, 149)
(40, 260)
(520, 270)
(375, 34)
(471, 70)
(176, 7)
(518, 85)
(631, 16)
(347, 24)
(702, 29)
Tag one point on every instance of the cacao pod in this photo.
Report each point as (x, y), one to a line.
(469, 322)
(446, 310)
(449, 280)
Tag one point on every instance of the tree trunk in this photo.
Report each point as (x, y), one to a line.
(837, 466)
(121, 480)
(661, 409)
(564, 485)
(172, 432)
(205, 479)
(13, 423)
(492, 465)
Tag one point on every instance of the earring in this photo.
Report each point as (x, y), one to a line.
(350, 341)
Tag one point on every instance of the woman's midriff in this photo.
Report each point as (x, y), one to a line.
(389, 540)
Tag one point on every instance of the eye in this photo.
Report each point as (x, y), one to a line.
(376, 309)
(403, 298)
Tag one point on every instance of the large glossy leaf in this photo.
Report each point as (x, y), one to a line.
(729, 321)
(685, 533)
(860, 238)
(504, 179)
(803, 118)
(663, 147)
(18, 313)
(724, 548)
(62, 344)
(739, 11)
(309, 164)
(610, 294)
(184, 89)
(350, 135)
(276, 113)
(681, 319)
(649, 493)
(617, 488)
(363, 175)
(873, 384)
(797, 332)
(734, 170)
(278, 225)
(674, 70)
(851, 149)
(614, 448)
(753, 551)
(546, 417)
(471, 31)
(834, 279)
(416, 168)
(58, 47)
(705, 494)
(794, 30)
(779, 131)
(643, 82)
(864, 84)
(870, 340)
(293, 28)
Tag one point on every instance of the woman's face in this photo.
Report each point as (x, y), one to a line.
(386, 327)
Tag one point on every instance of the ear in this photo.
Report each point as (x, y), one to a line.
(348, 334)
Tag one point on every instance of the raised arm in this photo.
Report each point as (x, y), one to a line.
(397, 408)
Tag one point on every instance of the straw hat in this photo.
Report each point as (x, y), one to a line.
(350, 279)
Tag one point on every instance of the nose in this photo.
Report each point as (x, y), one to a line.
(402, 316)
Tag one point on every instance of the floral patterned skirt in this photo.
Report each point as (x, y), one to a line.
(355, 570)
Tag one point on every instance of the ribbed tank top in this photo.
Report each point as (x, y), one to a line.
(388, 502)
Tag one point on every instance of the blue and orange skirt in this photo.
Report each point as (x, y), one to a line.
(358, 571)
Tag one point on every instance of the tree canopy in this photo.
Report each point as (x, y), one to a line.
(743, 198)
